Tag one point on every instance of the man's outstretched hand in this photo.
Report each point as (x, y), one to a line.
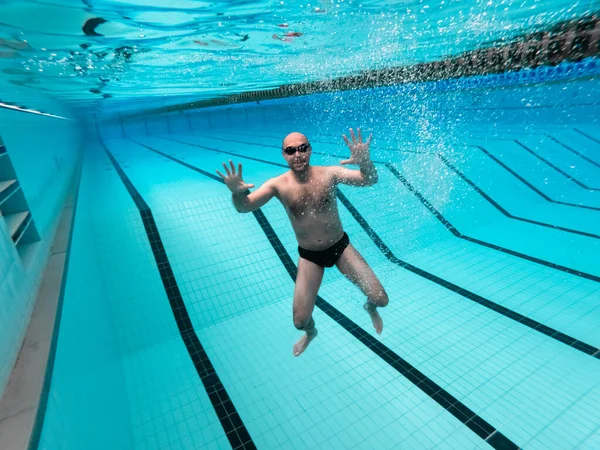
(234, 180)
(359, 150)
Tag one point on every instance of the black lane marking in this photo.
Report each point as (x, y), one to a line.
(556, 168)
(475, 423)
(549, 136)
(545, 161)
(458, 234)
(431, 209)
(581, 155)
(40, 414)
(533, 324)
(587, 135)
(470, 183)
(505, 212)
(232, 424)
(529, 185)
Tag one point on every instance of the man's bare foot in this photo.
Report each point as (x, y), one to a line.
(371, 308)
(303, 342)
(377, 322)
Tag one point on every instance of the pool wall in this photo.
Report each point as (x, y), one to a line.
(44, 152)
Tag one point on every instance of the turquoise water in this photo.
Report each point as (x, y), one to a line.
(113, 56)
(483, 229)
(176, 326)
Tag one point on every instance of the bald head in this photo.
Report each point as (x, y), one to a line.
(294, 139)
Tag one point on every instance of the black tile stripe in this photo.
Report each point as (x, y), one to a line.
(2, 149)
(40, 414)
(505, 212)
(533, 324)
(556, 168)
(555, 334)
(528, 184)
(460, 235)
(571, 149)
(587, 135)
(431, 209)
(475, 423)
(542, 159)
(236, 432)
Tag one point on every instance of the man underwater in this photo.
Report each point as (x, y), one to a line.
(308, 194)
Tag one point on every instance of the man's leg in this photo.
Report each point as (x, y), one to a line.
(356, 269)
(308, 282)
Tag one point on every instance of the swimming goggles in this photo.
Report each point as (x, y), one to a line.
(302, 148)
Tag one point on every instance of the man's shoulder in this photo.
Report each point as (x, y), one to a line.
(278, 180)
(326, 170)
(323, 169)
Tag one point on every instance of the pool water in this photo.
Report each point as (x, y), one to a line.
(177, 329)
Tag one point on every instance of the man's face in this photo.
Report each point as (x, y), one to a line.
(297, 151)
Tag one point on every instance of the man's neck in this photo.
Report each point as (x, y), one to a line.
(302, 177)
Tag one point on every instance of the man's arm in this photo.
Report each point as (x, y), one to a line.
(243, 200)
(366, 176)
(247, 202)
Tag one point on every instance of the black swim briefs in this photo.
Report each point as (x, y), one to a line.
(327, 257)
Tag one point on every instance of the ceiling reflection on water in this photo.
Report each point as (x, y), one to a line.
(103, 52)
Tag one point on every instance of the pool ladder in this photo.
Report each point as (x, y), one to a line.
(14, 209)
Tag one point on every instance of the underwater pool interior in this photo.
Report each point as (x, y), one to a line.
(174, 327)
(488, 251)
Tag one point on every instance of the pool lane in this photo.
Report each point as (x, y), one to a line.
(159, 376)
(556, 299)
(505, 365)
(480, 222)
(148, 173)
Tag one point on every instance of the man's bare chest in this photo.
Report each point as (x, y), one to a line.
(302, 199)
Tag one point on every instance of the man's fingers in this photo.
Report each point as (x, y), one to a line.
(359, 136)
(232, 167)
(248, 186)
(240, 170)
(369, 139)
(221, 175)
(226, 169)
(346, 161)
(346, 139)
(353, 137)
